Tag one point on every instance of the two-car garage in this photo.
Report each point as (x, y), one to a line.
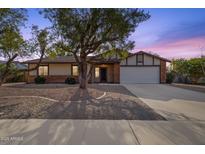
(143, 67)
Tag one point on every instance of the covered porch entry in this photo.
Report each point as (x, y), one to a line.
(105, 73)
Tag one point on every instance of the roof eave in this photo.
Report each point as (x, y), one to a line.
(142, 52)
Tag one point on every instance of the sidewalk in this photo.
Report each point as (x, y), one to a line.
(101, 132)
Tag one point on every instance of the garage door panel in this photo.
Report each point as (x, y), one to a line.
(139, 74)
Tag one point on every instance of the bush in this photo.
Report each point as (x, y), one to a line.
(40, 80)
(187, 80)
(201, 81)
(16, 77)
(70, 80)
(170, 77)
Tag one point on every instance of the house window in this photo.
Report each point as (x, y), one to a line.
(43, 70)
(75, 70)
(97, 72)
(139, 59)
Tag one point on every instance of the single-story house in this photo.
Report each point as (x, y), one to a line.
(140, 67)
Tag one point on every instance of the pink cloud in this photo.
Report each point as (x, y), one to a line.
(178, 49)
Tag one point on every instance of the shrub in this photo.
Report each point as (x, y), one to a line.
(189, 70)
(170, 77)
(16, 77)
(40, 80)
(201, 81)
(70, 80)
(187, 80)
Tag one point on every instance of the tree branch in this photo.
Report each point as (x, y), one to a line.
(8, 64)
(38, 64)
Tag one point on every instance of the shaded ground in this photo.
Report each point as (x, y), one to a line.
(69, 102)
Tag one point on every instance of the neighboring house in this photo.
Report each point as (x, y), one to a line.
(140, 67)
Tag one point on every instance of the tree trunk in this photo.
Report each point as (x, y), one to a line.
(83, 74)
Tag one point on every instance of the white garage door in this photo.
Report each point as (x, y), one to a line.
(139, 75)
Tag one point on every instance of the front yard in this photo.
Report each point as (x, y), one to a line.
(61, 101)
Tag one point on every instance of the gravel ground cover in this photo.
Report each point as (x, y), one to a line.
(61, 101)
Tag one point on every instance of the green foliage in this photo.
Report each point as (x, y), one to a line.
(11, 69)
(180, 66)
(201, 81)
(70, 80)
(13, 18)
(196, 66)
(40, 80)
(193, 68)
(2, 66)
(41, 41)
(170, 77)
(86, 31)
(11, 43)
(16, 77)
(121, 54)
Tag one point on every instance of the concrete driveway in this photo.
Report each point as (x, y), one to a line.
(183, 109)
(171, 102)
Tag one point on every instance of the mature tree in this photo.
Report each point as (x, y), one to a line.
(93, 31)
(11, 42)
(13, 18)
(12, 45)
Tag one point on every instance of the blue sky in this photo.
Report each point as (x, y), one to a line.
(171, 33)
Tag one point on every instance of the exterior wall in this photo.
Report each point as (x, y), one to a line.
(110, 73)
(30, 79)
(162, 71)
(156, 61)
(116, 73)
(34, 72)
(59, 72)
(148, 60)
(56, 78)
(131, 60)
(60, 69)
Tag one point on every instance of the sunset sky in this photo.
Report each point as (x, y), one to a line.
(171, 33)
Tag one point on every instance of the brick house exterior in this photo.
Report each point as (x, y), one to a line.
(140, 67)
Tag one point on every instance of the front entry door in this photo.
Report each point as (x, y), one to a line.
(103, 75)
